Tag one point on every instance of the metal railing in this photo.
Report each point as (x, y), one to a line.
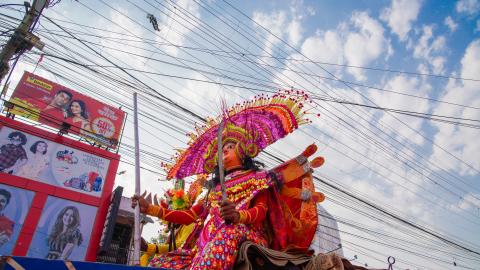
(114, 254)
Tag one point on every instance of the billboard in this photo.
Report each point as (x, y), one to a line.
(63, 231)
(52, 180)
(38, 159)
(49, 103)
(14, 206)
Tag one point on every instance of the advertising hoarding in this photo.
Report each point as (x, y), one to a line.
(63, 231)
(85, 158)
(42, 160)
(49, 103)
(14, 206)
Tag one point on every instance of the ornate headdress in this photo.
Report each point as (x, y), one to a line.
(252, 125)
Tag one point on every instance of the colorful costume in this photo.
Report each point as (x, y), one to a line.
(264, 216)
(176, 199)
(218, 242)
(159, 251)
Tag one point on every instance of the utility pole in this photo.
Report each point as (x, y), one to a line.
(136, 237)
(22, 39)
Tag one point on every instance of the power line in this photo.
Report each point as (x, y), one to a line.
(332, 75)
(228, 54)
(433, 117)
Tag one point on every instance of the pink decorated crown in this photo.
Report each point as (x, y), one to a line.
(252, 125)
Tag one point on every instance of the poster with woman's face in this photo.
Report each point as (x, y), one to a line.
(38, 159)
(14, 206)
(63, 231)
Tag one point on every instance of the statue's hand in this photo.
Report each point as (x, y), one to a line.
(141, 201)
(229, 213)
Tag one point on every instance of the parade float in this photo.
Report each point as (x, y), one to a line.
(236, 215)
(251, 217)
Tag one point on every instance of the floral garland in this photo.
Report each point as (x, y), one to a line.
(177, 199)
(243, 189)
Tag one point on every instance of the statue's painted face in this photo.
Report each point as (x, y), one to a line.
(230, 158)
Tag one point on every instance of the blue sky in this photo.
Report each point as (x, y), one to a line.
(425, 171)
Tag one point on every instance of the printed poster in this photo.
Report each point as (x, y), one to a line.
(49, 103)
(63, 232)
(14, 206)
(35, 158)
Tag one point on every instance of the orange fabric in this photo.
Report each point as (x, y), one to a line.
(291, 171)
(176, 216)
(296, 193)
(286, 118)
(257, 213)
(291, 192)
(301, 217)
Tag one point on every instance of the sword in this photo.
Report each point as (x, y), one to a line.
(221, 173)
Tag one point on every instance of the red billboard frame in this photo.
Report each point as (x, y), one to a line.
(42, 190)
(41, 100)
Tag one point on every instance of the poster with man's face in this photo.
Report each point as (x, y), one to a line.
(35, 158)
(14, 206)
(63, 232)
(51, 104)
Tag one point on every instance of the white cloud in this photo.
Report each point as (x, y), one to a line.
(275, 22)
(310, 11)
(429, 49)
(173, 32)
(282, 25)
(324, 47)
(468, 7)
(461, 142)
(438, 64)
(452, 25)
(271, 21)
(294, 30)
(207, 95)
(407, 85)
(439, 44)
(401, 15)
(114, 48)
(468, 202)
(422, 68)
(365, 44)
(357, 42)
(477, 29)
(422, 49)
(390, 50)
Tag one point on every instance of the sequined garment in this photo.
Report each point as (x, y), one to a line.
(218, 242)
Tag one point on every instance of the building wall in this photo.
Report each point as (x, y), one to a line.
(327, 239)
